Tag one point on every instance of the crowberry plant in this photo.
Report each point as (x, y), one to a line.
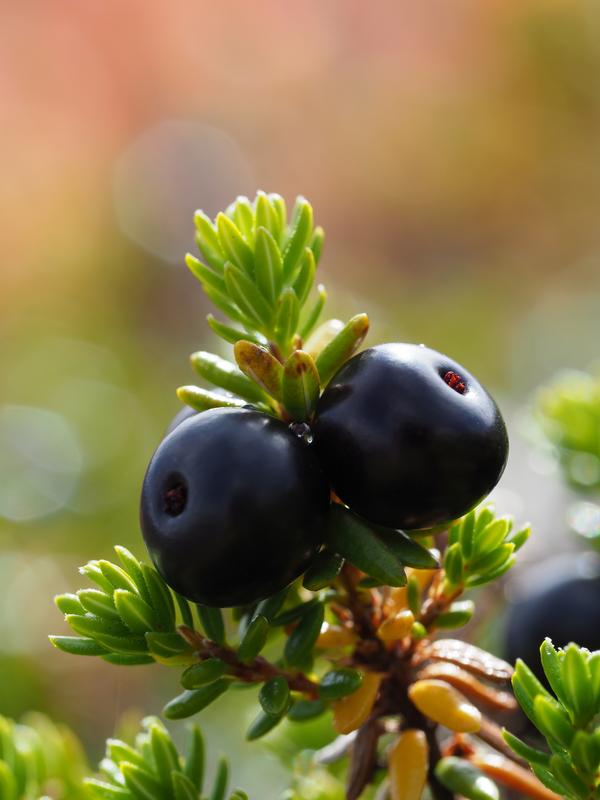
(326, 508)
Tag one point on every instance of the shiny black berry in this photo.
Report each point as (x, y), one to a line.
(567, 610)
(408, 437)
(233, 507)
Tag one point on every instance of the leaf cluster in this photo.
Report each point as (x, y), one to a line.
(568, 414)
(481, 548)
(568, 718)
(259, 268)
(36, 757)
(152, 769)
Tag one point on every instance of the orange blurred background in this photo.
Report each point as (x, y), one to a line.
(451, 151)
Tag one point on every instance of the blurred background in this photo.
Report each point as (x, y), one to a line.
(451, 150)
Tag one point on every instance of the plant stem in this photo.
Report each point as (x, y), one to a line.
(256, 671)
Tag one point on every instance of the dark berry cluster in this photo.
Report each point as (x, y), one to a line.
(235, 502)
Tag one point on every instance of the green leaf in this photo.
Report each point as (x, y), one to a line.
(491, 537)
(312, 315)
(206, 275)
(483, 518)
(101, 789)
(134, 611)
(300, 386)
(194, 762)
(203, 400)
(247, 297)
(304, 710)
(161, 599)
(325, 568)
(116, 576)
(491, 560)
(461, 777)
(92, 571)
(278, 205)
(356, 542)
(234, 245)
(295, 613)
(466, 534)
(261, 725)
(260, 366)
(594, 667)
(127, 659)
(202, 673)
(493, 575)
(286, 320)
(254, 639)
(526, 688)
(274, 696)
(225, 304)
(453, 564)
(168, 646)
(127, 645)
(585, 752)
(266, 216)
(140, 783)
(242, 214)
(300, 235)
(223, 373)
(207, 240)
(520, 537)
(306, 276)
(77, 646)
(339, 682)
(183, 788)
(184, 610)
(302, 639)
(133, 567)
(552, 721)
(342, 347)
(457, 615)
(221, 780)
(551, 664)
(192, 701)
(92, 626)
(231, 335)
(69, 604)
(98, 603)
(317, 242)
(406, 550)
(568, 777)
(166, 758)
(269, 607)
(413, 595)
(546, 777)
(530, 754)
(268, 266)
(577, 684)
(212, 622)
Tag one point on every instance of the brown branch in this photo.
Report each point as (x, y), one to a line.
(363, 759)
(256, 671)
(491, 734)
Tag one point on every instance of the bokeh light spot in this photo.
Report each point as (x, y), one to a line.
(40, 462)
(167, 173)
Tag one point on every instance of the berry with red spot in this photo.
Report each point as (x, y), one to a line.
(408, 437)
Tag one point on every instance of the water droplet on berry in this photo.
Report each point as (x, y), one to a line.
(302, 431)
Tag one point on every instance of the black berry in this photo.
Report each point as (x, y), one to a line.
(408, 437)
(233, 507)
(568, 610)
